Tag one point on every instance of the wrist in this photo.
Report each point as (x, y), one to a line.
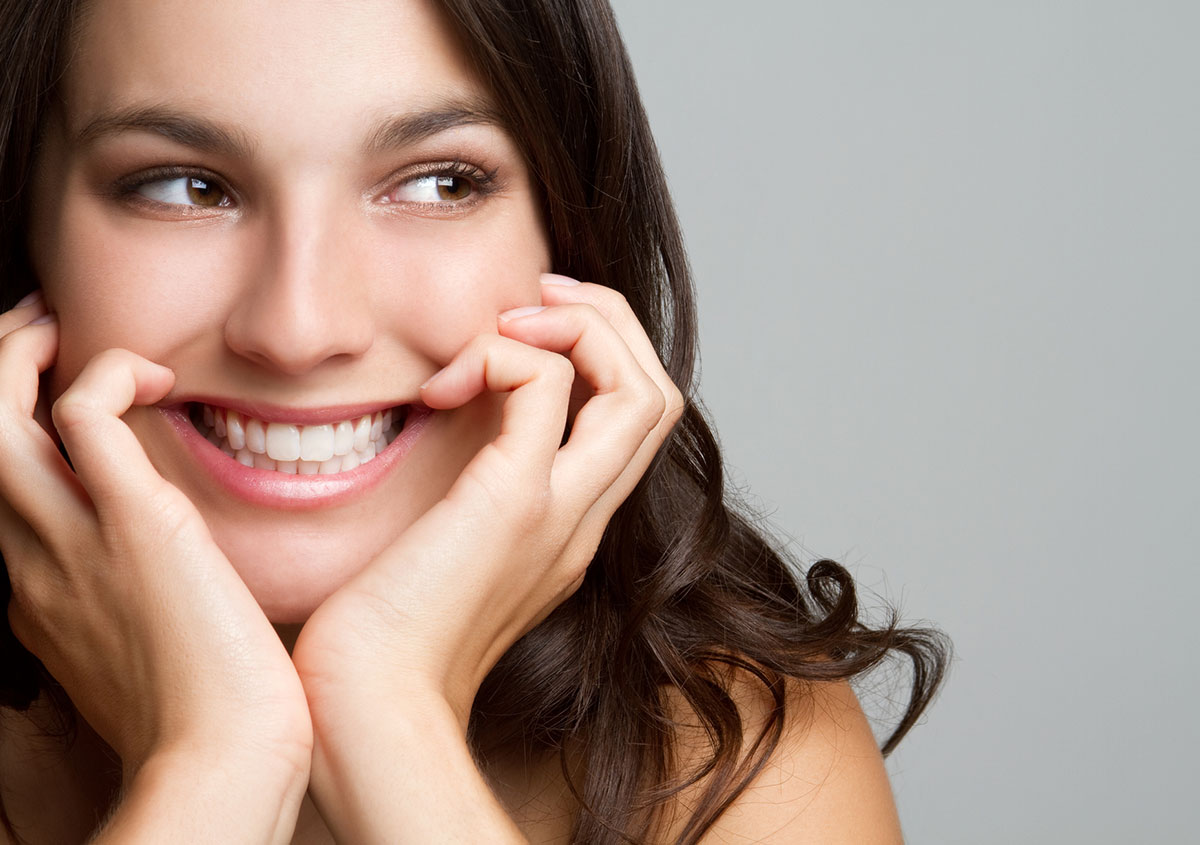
(280, 753)
(404, 773)
(217, 793)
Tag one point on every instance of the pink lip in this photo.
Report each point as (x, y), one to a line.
(272, 489)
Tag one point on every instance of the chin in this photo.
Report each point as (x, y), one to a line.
(290, 580)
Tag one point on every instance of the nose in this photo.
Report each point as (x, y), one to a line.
(303, 302)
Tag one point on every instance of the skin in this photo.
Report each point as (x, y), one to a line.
(310, 291)
(330, 276)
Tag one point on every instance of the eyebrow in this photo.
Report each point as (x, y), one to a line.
(391, 133)
(404, 130)
(186, 129)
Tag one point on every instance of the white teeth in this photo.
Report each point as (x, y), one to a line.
(235, 431)
(343, 438)
(283, 441)
(256, 436)
(362, 433)
(316, 442)
(295, 449)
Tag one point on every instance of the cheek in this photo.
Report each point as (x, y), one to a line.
(118, 283)
(442, 283)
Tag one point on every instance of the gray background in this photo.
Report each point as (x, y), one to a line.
(947, 255)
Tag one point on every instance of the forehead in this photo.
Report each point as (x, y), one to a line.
(311, 69)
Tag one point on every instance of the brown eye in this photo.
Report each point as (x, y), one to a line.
(204, 193)
(435, 189)
(453, 188)
(191, 191)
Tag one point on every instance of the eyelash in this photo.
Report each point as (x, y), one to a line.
(127, 188)
(483, 184)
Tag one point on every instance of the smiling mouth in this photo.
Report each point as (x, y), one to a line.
(298, 449)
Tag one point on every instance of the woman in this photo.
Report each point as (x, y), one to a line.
(349, 320)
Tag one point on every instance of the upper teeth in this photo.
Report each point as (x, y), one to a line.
(305, 449)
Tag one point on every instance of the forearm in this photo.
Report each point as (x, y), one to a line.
(206, 796)
(392, 777)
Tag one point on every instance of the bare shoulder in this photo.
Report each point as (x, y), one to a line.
(825, 782)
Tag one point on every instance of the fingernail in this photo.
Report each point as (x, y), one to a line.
(555, 279)
(45, 318)
(523, 311)
(29, 299)
(429, 380)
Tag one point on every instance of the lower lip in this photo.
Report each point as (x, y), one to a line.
(272, 489)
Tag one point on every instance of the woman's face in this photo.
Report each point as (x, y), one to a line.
(304, 209)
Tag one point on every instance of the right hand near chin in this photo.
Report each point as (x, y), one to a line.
(117, 584)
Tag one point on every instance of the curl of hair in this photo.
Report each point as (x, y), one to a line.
(683, 588)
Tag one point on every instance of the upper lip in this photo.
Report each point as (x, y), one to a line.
(269, 412)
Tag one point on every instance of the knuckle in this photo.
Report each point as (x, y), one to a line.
(20, 619)
(578, 557)
(559, 369)
(10, 323)
(71, 410)
(108, 358)
(8, 339)
(31, 600)
(14, 348)
(607, 300)
(648, 403)
(576, 583)
(484, 351)
(584, 311)
(675, 405)
(481, 343)
(534, 511)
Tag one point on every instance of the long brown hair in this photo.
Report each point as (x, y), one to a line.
(683, 586)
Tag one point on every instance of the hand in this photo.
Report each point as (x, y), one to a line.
(117, 585)
(415, 633)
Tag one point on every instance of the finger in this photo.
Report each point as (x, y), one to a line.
(24, 312)
(615, 308)
(25, 353)
(32, 309)
(34, 478)
(538, 383)
(559, 290)
(108, 458)
(624, 408)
